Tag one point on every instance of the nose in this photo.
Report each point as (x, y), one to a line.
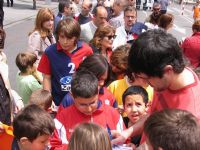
(134, 108)
(104, 21)
(88, 109)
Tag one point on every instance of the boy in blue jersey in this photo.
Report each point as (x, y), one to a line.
(60, 60)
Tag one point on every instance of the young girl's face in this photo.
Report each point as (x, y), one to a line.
(49, 24)
(134, 107)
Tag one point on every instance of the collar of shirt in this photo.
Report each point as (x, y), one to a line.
(79, 45)
(101, 90)
(196, 33)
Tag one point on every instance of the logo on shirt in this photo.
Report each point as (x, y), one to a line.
(65, 83)
(107, 102)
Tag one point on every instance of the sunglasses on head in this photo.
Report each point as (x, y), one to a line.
(111, 37)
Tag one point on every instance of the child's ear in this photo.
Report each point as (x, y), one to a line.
(148, 105)
(23, 140)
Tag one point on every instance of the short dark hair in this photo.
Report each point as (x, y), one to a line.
(62, 4)
(97, 9)
(173, 129)
(84, 84)
(92, 62)
(135, 90)
(69, 27)
(160, 49)
(31, 122)
(25, 60)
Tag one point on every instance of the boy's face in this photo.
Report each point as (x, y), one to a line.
(86, 105)
(159, 84)
(134, 107)
(67, 44)
(40, 143)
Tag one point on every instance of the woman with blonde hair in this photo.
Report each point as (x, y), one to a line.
(42, 35)
(89, 136)
(103, 40)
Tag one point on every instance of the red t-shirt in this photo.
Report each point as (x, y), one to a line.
(191, 49)
(186, 98)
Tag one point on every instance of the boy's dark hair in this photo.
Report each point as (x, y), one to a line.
(97, 64)
(62, 4)
(84, 84)
(41, 98)
(160, 49)
(2, 37)
(135, 90)
(31, 122)
(173, 130)
(69, 27)
(24, 60)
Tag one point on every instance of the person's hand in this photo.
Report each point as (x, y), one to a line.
(120, 109)
(143, 147)
(119, 138)
(131, 145)
(19, 105)
(1, 128)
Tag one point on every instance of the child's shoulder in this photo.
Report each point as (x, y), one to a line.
(110, 110)
(84, 46)
(117, 83)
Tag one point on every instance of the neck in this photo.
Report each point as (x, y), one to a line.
(85, 15)
(127, 28)
(24, 73)
(71, 49)
(103, 50)
(95, 23)
(181, 80)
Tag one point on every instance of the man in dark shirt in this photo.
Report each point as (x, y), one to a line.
(85, 16)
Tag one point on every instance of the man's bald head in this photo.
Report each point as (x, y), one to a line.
(100, 15)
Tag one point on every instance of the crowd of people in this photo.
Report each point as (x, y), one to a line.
(94, 78)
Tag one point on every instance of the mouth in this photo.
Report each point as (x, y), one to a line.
(134, 117)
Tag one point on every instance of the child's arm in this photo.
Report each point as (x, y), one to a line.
(135, 129)
(47, 82)
(38, 76)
